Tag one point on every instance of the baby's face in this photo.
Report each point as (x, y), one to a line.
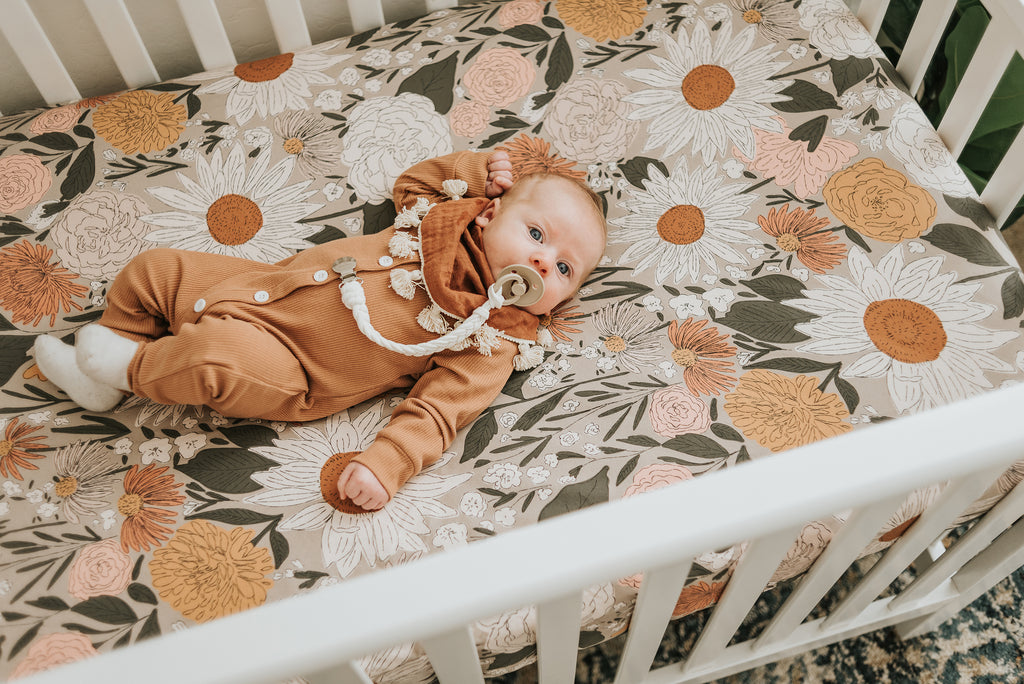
(551, 228)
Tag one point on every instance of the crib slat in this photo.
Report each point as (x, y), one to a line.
(1006, 186)
(434, 5)
(923, 40)
(36, 53)
(123, 41)
(753, 571)
(979, 575)
(848, 542)
(976, 88)
(208, 35)
(659, 593)
(365, 14)
(558, 638)
(871, 13)
(289, 24)
(454, 657)
(954, 498)
(994, 522)
(344, 673)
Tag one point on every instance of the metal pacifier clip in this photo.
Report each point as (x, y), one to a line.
(516, 284)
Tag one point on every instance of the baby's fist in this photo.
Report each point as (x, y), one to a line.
(358, 484)
(499, 174)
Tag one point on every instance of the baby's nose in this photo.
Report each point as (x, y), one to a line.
(541, 263)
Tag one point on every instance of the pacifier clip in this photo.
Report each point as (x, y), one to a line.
(517, 284)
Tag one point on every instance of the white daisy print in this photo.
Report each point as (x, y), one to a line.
(685, 222)
(351, 538)
(908, 323)
(234, 210)
(272, 85)
(712, 94)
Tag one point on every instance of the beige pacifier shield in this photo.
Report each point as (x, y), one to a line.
(531, 279)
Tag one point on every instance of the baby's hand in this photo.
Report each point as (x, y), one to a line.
(361, 486)
(499, 174)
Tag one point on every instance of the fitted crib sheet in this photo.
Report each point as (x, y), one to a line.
(792, 255)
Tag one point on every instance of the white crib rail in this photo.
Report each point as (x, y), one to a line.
(205, 26)
(435, 598)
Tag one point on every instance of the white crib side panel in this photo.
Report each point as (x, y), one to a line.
(976, 88)
(122, 38)
(208, 34)
(345, 673)
(994, 522)
(558, 638)
(22, 30)
(924, 38)
(871, 13)
(841, 551)
(1006, 186)
(951, 502)
(289, 23)
(659, 592)
(365, 14)
(748, 580)
(454, 657)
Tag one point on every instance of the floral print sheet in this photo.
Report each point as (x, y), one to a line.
(792, 255)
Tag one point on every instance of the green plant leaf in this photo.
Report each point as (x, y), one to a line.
(767, 321)
(964, 242)
(805, 97)
(226, 470)
(578, 495)
(776, 287)
(435, 81)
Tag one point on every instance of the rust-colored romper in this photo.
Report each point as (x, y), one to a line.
(275, 341)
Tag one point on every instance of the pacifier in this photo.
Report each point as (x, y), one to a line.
(520, 285)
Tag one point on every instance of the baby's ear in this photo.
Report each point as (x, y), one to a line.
(485, 216)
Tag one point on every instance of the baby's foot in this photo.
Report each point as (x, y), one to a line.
(361, 486)
(57, 362)
(104, 355)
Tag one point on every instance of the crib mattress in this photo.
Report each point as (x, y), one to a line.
(792, 255)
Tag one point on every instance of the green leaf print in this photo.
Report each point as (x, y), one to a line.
(578, 495)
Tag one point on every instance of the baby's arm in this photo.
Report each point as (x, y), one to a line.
(361, 486)
(425, 179)
(451, 394)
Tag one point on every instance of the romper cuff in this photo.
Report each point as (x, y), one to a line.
(389, 463)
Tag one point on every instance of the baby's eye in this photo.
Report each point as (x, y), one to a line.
(536, 234)
(563, 268)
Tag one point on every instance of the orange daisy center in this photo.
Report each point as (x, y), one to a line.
(753, 17)
(234, 220)
(129, 505)
(615, 344)
(685, 357)
(789, 242)
(6, 447)
(293, 146)
(264, 69)
(683, 224)
(708, 86)
(67, 486)
(905, 330)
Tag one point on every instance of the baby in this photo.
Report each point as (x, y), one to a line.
(275, 341)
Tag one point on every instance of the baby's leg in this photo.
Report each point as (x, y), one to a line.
(104, 355)
(232, 366)
(57, 362)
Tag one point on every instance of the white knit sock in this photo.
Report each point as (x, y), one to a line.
(56, 361)
(104, 355)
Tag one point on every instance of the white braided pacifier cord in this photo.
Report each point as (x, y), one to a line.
(353, 296)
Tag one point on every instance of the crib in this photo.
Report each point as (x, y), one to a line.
(496, 565)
